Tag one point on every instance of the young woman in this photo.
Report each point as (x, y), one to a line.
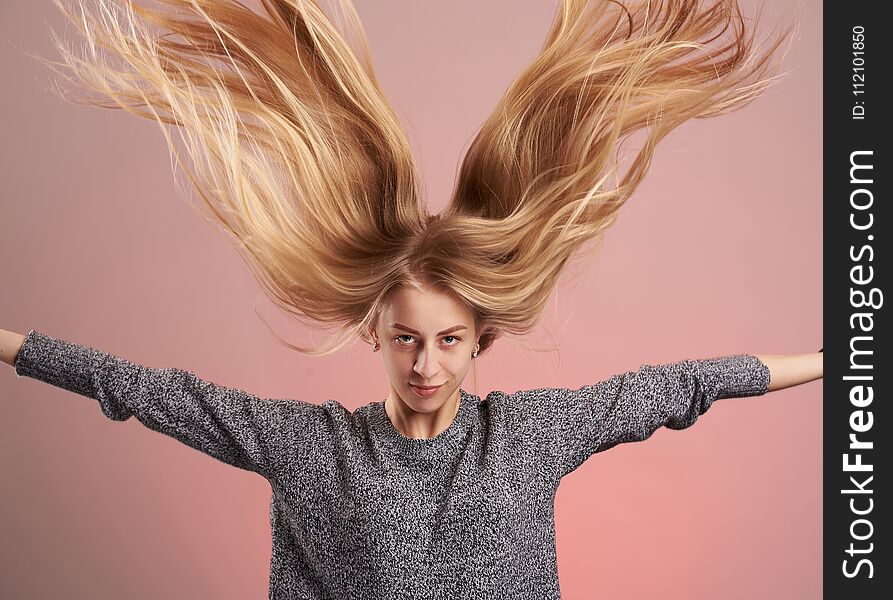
(433, 492)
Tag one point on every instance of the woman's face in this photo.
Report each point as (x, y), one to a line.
(426, 338)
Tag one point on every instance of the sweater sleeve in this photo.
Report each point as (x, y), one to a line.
(629, 407)
(233, 426)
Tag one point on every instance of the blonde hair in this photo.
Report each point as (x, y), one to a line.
(298, 157)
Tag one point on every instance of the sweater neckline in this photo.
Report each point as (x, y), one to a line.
(446, 438)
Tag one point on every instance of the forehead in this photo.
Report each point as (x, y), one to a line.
(425, 310)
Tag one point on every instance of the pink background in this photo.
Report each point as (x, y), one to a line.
(719, 252)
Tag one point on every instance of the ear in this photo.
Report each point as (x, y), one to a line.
(371, 331)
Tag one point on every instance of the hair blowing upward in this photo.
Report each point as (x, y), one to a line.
(295, 152)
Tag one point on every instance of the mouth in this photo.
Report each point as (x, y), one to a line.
(425, 391)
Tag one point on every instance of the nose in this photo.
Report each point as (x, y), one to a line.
(426, 364)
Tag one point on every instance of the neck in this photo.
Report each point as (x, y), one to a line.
(418, 425)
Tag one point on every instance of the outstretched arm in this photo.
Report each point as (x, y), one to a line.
(570, 425)
(228, 424)
(788, 370)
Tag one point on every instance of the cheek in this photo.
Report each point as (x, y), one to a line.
(399, 360)
(458, 362)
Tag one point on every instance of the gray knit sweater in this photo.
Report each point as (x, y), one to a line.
(360, 511)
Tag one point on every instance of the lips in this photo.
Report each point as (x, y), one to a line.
(425, 391)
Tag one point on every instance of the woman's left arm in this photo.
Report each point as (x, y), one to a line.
(786, 370)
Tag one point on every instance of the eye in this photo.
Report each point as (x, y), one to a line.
(452, 337)
(405, 335)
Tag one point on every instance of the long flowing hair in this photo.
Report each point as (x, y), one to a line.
(301, 161)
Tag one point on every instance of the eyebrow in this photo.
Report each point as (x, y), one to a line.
(444, 332)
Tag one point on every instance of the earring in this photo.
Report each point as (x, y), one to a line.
(477, 348)
(376, 347)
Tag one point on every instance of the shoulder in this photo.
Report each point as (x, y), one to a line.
(524, 412)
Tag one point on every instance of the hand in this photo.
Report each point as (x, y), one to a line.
(10, 344)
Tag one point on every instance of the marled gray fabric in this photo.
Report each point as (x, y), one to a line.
(360, 511)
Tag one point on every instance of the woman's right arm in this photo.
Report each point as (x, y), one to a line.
(233, 426)
(10, 344)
